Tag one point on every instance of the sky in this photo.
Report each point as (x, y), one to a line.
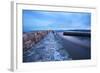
(55, 20)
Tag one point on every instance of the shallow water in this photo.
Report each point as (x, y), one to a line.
(48, 49)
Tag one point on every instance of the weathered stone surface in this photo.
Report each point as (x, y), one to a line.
(31, 38)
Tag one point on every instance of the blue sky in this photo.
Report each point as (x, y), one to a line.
(49, 20)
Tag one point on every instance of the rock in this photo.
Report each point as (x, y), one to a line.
(32, 38)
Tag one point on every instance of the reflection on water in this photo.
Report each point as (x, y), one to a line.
(57, 47)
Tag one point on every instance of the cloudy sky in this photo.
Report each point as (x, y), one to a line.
(49, 20)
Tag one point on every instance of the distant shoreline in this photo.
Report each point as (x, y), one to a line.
(58, 30)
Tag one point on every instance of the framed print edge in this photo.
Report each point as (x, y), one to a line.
(13, 37)
(16, 34)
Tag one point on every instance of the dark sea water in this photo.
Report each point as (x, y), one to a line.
(56, 48)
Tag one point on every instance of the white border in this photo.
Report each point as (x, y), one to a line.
(17, 34)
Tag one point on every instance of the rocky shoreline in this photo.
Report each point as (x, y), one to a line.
(32, 38)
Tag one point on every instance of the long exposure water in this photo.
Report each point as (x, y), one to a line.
(48, 49)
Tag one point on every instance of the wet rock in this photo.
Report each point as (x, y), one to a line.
(32, 38)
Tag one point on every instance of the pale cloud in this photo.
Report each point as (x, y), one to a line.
(45, 20)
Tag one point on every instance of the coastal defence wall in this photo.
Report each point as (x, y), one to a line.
(32, 38)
